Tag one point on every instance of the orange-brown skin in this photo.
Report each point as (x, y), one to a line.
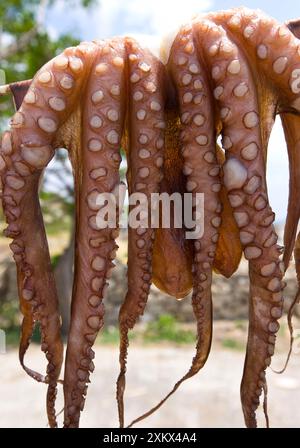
(47, 106)
(175, 279)
(103, 116)
(145, 162)
(197, 160)
(26, 151)
(275, 50)
(245, 181)
(79, 100)
(19, 91)
(252, 66)
(202, 176)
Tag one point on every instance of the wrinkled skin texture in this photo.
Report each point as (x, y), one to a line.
(251, 64)
(79, 100)
(228, 73)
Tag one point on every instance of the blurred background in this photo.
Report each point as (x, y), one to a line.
(162, 345)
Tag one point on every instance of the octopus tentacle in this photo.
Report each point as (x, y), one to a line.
(270, 43)
(145, 161)
(34, 304)
(297, 266)
(99, 159)
(175, 279)
(244, 177)
(202, 176)
(291, 128)
(296, 300)
(19, 91)
(26, 150)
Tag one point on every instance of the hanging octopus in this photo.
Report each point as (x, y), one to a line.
(227, 74)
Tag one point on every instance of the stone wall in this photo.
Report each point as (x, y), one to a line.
(230, 296)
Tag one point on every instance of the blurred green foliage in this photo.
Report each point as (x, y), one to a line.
(57, 212)
(9, 320)
(233, 344)
(111, 335)
(166, 328)
(25, 43)
(18, 17)
(240, 325)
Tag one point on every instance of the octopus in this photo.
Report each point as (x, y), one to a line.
(223, 74)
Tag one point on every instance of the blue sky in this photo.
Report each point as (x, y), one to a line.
(155, 18)
(113, 17)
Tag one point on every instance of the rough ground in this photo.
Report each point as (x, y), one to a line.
(211, 399)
